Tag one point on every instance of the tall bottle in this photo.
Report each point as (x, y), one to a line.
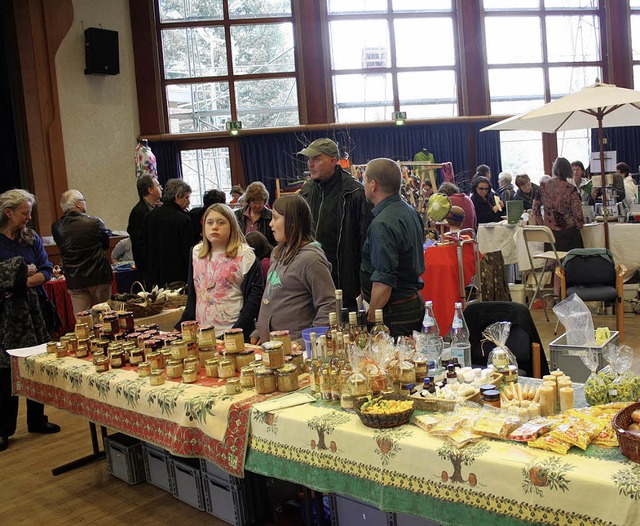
(460, 346)
(353, 327)
(313, 381)
(344, 320)
(379, 329)
(363, 333)
(429, 323)
(339, 307)
(333, 328)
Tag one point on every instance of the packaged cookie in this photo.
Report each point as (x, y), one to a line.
(496, 425)
(549, 443)
(530, 430)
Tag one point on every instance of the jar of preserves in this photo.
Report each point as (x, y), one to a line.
(110, 323)
(82, 330)
(136, 356)
(273, 354)
(189, 330)
(51, 347)
(191, 362)
(151, 345)
(233, 386)
(125, 320)
(61, 351)
(244, 358)
(231, 357)
(117, 359)
(211, 367)
(156, 377)
(207, 336)
(178, 349)
(491, 397)
(282, 336)
(297, 359)
(234, 340)
(287, 378)
(98, 353)
(102, 365)
(226, 369)
(192, 348)
(156, 360)
(85, 316)
(265, 381)
(189, 376)
(247, 377)
(144, 369)
(72, 345)
(175, 368)
(206, 353)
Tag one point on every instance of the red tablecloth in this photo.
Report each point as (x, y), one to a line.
(442, 282)
(59, 296)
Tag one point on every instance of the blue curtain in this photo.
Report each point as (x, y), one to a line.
(167, 160)
(625, 141)
(271, 156)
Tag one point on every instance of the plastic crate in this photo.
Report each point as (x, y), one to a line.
(124, 458)
(567, 357)
(346, 511)
(187, 481)
(229, 502)
(209, 468)
(156, 466)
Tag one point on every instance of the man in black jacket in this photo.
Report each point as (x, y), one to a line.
(83, 240)
(341, 215)
(150, 193)
(168, 236)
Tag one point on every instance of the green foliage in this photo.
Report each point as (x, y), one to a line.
(628, 481)
(465, 456)
(198, 407)
(75, 374)
(100, 382)
(166, 398)
(130, 390)
(327, 422)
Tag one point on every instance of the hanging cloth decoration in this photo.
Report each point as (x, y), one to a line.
(145, 160)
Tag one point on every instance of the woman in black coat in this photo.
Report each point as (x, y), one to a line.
(488, 204)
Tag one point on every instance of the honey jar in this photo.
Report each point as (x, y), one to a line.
(51, 347)
(85, 316)
(207, 336)
(192, 362)
(97, 354)
(192, 348)
(233, 386)
(97, 330)
(175, 368)
(247, 377)
(156, 360)
(287, 378)
(136, 356)
(178, 349)
(102, 365)
(82, 351)
(273, 354)
(156, 377)
(231, 357)
(189, 376)
(233, 340)
(116, 358)
(206, 353)
(297, 359)
(72, 345)
(244, 358)
(281, 336)
(226, 369)
(61, 351)
(82, 331)
(189, 330)
(144, 369)
(110, 323)
(125, 320)
(211, 367)
(265, 381)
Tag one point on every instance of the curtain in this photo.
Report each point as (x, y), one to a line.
(167, 160)
(624, 141)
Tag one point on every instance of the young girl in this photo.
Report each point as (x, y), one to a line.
(262, 249)
(299, 291)
(225, 282)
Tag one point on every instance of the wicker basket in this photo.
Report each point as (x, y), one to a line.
(140, 310)
(175, 302)
(629, 442)
(384, 421)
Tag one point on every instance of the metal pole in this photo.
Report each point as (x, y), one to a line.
(603, 179)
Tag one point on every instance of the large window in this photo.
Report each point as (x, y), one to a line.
(228, 60)
(392, 55)
(635, 41)
(206, 169)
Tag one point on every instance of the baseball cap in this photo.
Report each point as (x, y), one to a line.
(319, 146)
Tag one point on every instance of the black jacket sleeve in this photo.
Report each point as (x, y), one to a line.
(252, 288)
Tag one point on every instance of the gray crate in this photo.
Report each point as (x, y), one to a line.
(124, 458)
(214, 471)
(229, 502)
(187, 481)
(347, 511)
(156, 466)
(567, 357)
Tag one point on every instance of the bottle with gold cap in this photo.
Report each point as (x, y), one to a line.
(331, 333)
(353, 327)
(379, 330)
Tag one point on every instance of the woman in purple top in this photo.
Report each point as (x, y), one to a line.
(22, 324)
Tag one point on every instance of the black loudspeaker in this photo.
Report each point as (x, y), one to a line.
(101, 52)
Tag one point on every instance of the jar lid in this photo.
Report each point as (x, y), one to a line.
(173, 363)
(101, 360)
(246, 352)
(212, 361)
(287, 369)
(233, 332)
(491, 393)
(247, 369)
(263, 371)
(225, 361)
(155, 372)
(272, 346)
(278, 333)
(487, 387)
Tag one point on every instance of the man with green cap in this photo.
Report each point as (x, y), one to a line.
(341, 215)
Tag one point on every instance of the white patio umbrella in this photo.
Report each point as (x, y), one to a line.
(597, 106)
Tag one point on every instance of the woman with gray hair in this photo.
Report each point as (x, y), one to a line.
(255, 216)
(168, 237)
(24, 267)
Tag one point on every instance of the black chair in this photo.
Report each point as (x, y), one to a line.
(592, 274)
(521, 337)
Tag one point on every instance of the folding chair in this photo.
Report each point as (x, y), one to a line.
(592, 274)
(541, 234)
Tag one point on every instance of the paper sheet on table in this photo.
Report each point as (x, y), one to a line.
(284, 402)
(28, 351)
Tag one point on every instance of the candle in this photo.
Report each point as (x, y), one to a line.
(557, 373)
(533, 410)
(562, 382)
(566, 398)
(547, 403)
(554, 387)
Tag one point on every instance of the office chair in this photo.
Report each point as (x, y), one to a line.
(592, 274)
(523, 334)
(541, 234)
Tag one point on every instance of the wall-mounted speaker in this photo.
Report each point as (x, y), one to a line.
(101, 52)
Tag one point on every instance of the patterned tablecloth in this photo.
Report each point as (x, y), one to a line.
(195, 420)
(406, 470)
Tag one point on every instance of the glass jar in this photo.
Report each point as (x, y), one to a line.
(226, 369)
(265, 381)
(110, 323)
(175, 368)
(136, 356)
(244, 358)
(207, 336)
(189, 330)
(156, 360)
(82, 352)
(233, 386)
(354, 387)
(102, 365)
(273, 354)
(82, 330)
(297, 359)
(189, 376)
(156, 377)
(192, 362)
(211, 367)
(61, 351)
(287, 378)
(51, 347)
(144, 369)
(421, 370)
(491, 397)
(117, 359)
(407, 373)
(233, 340)
(72, 345)
(281, 336)
(85, 316)
(178, 349)
(206, 353)
(125, 320)
(99, 353)
(247, 377)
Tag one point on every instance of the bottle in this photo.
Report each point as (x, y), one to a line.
(363, 333)
(379, 329)
(344, 320)
(314, 362)
(429, 323)
(353, 327)
(338, 307)
(452, 376)
(460, 346)
(333, 328)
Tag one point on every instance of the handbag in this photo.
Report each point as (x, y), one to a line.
(50, 315)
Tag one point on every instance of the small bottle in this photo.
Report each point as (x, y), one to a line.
(460, 346)
(379, 329)
(427, 387)
(363, 333)
(452, 375)
(353, 327)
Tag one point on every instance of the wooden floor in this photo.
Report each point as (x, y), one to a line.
(89, 495)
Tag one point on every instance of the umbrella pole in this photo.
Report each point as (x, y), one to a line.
(603, 181)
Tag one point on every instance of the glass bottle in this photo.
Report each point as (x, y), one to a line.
(460, 346)
(379, 329)
(338, 307)
(429, 323)
(331, 331)
(344, 320)
(313, 381)
(353, 327)
(363, 333)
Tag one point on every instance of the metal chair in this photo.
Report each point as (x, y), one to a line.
(541, 234)
(592, 274)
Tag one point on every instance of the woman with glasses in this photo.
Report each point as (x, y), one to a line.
(488, 204)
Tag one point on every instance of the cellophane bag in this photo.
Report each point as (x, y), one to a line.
(501, 356)
(577, 320)
(625, 387)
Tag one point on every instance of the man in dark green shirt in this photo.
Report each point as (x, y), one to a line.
(392, 256)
